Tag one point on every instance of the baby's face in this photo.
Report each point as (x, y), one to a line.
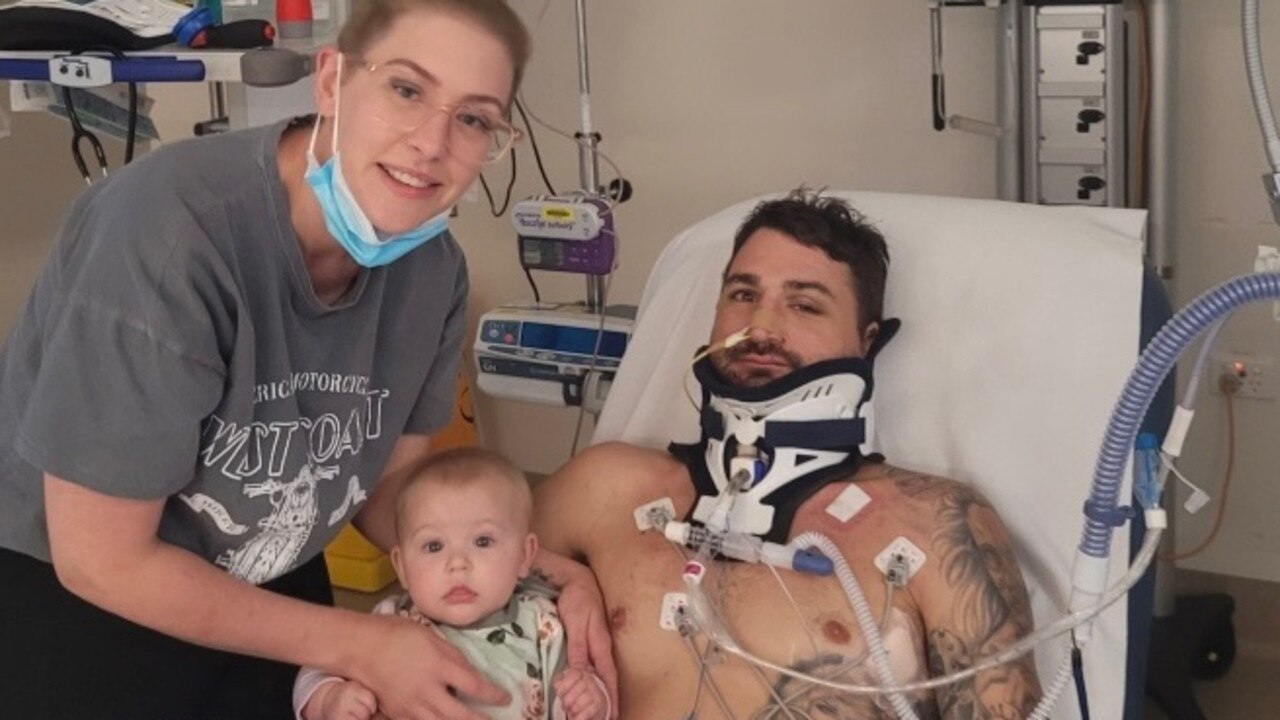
(463, 547)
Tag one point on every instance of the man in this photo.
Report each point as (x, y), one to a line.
(801, 301)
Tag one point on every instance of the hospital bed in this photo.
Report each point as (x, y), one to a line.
(1020, 325)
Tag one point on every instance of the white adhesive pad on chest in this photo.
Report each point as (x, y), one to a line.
(642, 513)
(674, 606)
(901, 546)
(848, 503)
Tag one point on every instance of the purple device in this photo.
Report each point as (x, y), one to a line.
(571, 233)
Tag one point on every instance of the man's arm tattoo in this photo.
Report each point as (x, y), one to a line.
(990, 608)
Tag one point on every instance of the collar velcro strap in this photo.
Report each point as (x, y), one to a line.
(841, 434)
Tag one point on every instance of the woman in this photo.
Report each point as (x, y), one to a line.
(236, 346)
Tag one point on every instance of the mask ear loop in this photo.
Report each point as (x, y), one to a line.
(337, 113)
(725, 344)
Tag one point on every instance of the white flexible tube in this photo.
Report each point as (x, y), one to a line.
(1258, 82)
(867, 623)
(706, 616)
(1202, 360)
(1050, 698)
(1176, 434)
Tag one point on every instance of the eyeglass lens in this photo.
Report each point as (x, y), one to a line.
(406, 103)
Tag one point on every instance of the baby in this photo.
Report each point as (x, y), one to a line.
(463, 547)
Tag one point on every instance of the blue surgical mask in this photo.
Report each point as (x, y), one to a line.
(346, 222)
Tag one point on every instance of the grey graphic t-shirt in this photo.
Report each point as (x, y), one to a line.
(173, 348)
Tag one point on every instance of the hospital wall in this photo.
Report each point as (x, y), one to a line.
(704, 104)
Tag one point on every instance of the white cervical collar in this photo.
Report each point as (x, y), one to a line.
(777, 440)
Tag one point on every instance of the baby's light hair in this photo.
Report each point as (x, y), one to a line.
(460, 467)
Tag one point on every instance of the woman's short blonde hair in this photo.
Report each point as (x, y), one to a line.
(371, 19)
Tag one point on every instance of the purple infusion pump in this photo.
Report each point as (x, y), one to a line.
(566, 233)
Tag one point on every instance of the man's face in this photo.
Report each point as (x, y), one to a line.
(800, 306)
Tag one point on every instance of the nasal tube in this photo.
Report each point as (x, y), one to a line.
(748, 548)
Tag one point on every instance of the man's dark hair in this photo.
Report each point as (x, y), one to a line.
(829, 224)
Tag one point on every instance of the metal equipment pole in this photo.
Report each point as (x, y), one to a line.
(1008, 102)
(1159, 151)
(588, 161)
(1159, 174)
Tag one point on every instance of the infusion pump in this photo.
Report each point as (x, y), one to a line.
(551, 354)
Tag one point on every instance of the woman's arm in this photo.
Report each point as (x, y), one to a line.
(377, 519)
(105, 550)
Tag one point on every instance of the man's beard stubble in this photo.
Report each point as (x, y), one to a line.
(755, 377)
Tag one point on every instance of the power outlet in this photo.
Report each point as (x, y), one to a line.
(1257, 376)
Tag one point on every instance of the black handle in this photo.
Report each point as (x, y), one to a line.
(237, 35)
(939, 102)
(1087, 118)
(1087, 48)
(1087, 185)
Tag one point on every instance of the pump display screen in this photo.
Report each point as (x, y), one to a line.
(581, 341)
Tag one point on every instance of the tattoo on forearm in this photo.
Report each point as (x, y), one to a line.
(1007, 692)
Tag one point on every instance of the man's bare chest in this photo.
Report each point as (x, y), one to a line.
(803, 623)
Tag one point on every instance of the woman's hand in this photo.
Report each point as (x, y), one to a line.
(412, 671)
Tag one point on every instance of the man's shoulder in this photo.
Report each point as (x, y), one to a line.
(900, 500)
(944, 516)
(614, 473)
(928, 488)
(622, 460)
(908, 487)
(588, 505)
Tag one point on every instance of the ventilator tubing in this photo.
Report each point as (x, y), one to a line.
(1089, 575)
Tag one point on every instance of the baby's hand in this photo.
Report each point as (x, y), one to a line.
(581, 694)
(346, 700)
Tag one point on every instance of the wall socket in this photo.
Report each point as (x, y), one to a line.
(1259, 379)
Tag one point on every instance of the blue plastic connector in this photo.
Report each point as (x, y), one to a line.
(1146, 471)
(814, 563)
